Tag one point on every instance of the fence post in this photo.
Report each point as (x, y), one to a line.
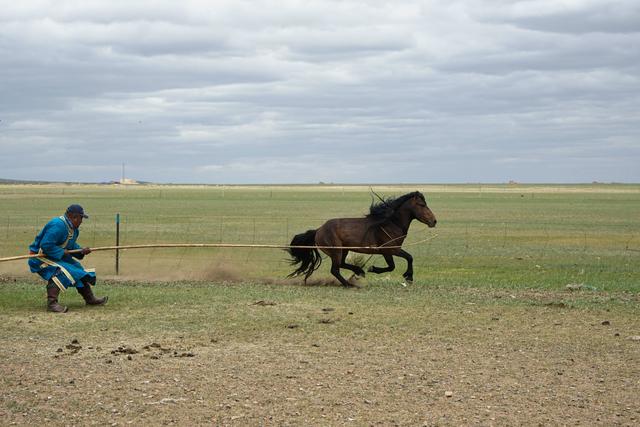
(117, 243)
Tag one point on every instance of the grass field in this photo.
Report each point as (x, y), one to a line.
(504, 236)
(488, 334)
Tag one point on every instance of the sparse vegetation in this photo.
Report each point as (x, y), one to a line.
(490, 332)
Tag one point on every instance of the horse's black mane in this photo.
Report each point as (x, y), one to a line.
(385, 208)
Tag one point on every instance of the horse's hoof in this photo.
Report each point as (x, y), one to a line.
(353, 281)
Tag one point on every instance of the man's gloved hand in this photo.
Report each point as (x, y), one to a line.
(83, 251)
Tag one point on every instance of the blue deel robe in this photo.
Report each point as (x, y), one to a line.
(56, 236)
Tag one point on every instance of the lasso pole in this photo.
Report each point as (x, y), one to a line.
(219, 245)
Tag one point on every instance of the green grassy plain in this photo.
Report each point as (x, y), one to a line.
(488, 334)
(513, 236)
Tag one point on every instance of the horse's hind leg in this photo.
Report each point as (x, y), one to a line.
(408, 275)
(390, 265)
(336, 262)
(357, 270)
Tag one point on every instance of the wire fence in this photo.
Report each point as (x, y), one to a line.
(458, 243)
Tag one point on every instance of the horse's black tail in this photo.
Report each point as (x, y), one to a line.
(308, 258)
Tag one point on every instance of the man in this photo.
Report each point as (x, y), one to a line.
(56, 264)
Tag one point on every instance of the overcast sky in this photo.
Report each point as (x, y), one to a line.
(307, 91)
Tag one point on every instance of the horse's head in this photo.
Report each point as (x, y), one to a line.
(418, 206)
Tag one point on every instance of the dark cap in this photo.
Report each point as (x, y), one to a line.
(77, 209)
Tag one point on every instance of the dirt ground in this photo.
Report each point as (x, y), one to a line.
(538, 364)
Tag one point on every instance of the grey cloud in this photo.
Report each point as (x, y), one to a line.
(336, 92)
(610, 17)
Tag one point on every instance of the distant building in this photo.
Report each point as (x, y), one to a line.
(128, 181)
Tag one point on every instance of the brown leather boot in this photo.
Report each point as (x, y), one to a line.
(88, 296)
(52, 299)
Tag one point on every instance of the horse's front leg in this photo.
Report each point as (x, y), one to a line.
(390, 265)
(408, 275)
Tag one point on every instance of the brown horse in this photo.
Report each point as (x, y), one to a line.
(382, 232)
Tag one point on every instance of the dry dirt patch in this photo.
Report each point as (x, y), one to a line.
(467, 362)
